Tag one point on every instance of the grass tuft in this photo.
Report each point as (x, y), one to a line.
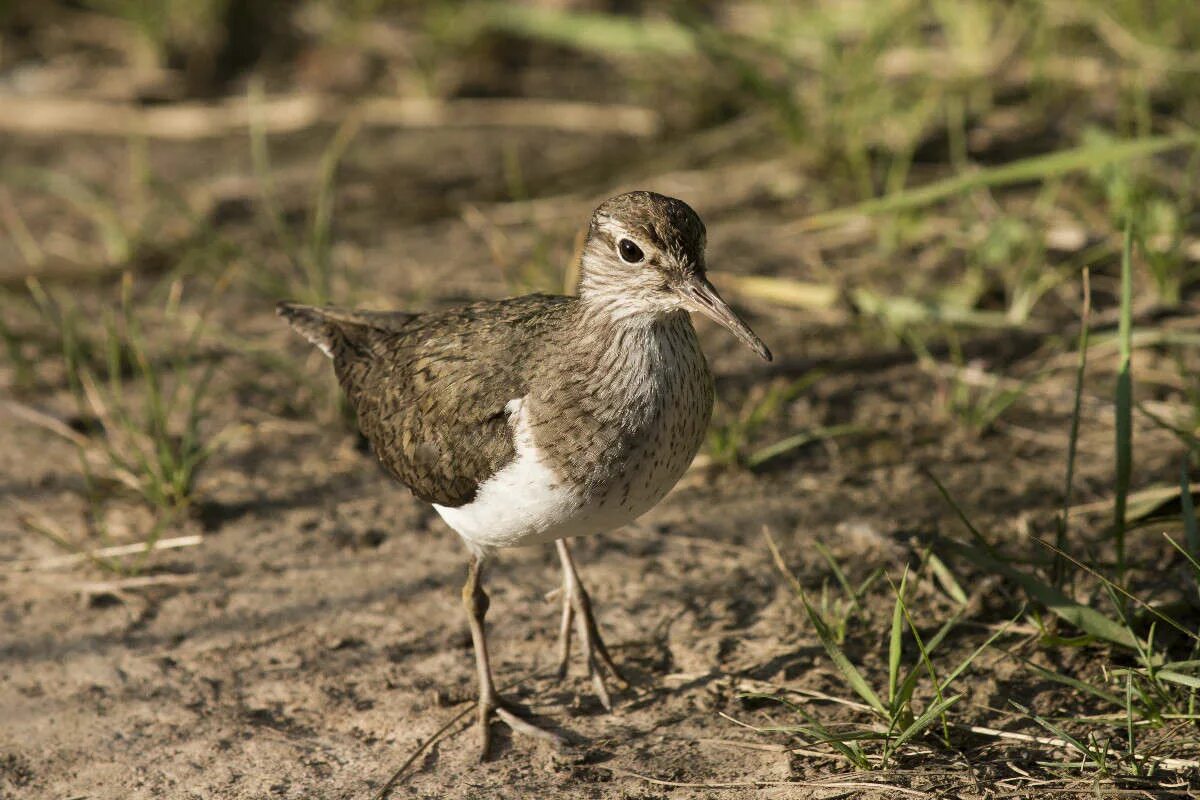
(916, 694)
(148, 409)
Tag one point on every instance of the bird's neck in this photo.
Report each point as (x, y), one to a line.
(620, 352)
(608, 302)
(616, 310)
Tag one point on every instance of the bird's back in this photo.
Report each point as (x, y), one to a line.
(430, 390)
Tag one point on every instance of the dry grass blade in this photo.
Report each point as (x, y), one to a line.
(1138, 504)
(1052, 741)
(50, 530)
(56, 116)
(781, 291)
(765, 454)
(137, 548)
(47, 422)
(900, 312)
(116, 587)
(19, 232)
(833, 783)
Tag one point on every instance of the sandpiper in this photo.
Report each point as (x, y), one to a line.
(539, 418)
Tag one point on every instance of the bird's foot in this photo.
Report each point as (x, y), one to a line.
(491, 706)
(577, 609)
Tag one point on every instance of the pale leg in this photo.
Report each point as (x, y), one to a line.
(475, 600)
(577, 607)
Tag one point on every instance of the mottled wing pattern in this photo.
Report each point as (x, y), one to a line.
(430, 389)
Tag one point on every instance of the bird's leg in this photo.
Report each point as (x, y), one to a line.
(577, 607)
(475, 600)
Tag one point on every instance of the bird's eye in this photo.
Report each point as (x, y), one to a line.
(629, 251)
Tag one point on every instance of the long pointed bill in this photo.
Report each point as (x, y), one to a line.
(700, 295)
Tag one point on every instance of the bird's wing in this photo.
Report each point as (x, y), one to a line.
(430, 390)
(327, 326)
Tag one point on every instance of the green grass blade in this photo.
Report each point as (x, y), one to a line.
(1073, 440)
(1124, 402)
(930, 715)
(979, 538)
(777, 449)
(869, 581)
(1116, 590)
(1180, 678)
(1186, 438)
(1188, 510)
(896, 642)
(1085, 618)
(1083, 749)
(845, 744)
(90, 201)
(1130, 734)
(1183, 550)
(842, 580)
(936, 639)
(970, 659)
(260, 158)
(925, 649)
(1035, 168)
(317, 265)
(946, 579)
(853, 677)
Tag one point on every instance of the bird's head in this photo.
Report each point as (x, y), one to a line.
(644, 255)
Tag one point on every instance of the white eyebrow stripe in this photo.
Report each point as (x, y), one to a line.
(610, 226)
(617, 232)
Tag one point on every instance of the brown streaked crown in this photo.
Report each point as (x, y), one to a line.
(667, 224)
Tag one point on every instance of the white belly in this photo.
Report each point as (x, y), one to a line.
(527, 503)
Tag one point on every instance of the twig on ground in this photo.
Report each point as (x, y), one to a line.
(437, 736)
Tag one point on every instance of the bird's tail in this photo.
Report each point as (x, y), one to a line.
(311, 322)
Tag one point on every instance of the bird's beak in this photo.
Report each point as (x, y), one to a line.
(700, 295)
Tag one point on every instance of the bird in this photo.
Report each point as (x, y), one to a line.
(539, 418)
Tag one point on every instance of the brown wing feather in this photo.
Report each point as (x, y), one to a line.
(430, 389)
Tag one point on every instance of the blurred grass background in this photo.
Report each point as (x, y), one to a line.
(1004, 193)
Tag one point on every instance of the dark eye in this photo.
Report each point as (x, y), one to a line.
(630, 252)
